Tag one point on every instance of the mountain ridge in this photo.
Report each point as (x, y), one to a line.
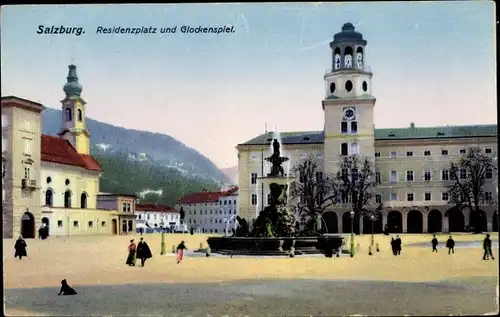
(157, 148)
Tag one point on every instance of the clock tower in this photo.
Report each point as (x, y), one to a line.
(348, 105)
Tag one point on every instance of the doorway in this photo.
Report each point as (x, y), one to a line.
(114, 226)
(28, 225)
(45, 221)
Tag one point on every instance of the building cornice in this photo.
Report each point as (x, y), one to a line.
(348, 101)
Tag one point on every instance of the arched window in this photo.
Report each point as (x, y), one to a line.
(67, 199)
(348, 57)
(336, 58)
(83, 201)
(49, 197)
(359, 57)
(80, 116)
(68, 114)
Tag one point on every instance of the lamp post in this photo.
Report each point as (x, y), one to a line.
(372, 218)
(163, 251)
(352, 233)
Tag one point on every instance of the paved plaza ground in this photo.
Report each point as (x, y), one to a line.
(418, 282)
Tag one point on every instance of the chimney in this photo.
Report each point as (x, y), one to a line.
(412, 124)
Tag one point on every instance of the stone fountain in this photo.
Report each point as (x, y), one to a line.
(274, 230)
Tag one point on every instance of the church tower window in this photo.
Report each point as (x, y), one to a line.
(80, 116)
(68, 114)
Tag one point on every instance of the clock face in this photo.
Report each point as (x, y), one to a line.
(359, 59)
(348, 61)
(349, 113)
(337, 61)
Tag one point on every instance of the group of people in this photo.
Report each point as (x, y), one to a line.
(143, 252)
(450, 244)
(396, 245)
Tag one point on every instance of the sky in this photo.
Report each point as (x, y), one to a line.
(433, 63)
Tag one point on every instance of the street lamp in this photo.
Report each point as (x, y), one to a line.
(372, 218)
(163, 250)
(352, 233)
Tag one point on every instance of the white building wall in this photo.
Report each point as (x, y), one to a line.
(212, 217)
(81, 181)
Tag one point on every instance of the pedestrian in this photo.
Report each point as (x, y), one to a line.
(180, 251)
(386, 230)
(131, 253)
(434, 244)
(141, 230)
(487, 248)
(393, 246)
(143, 251)
(398, 245)
(450, 244)
(20, 247)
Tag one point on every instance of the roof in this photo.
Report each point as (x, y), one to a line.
(410, 133)
(14, 101)
(154, 208)
(206, 197)
(60, 151)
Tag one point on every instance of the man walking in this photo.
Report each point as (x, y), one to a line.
(450, 244)
(398, 245)
(143, 251)
(434, 244)
(487, 248)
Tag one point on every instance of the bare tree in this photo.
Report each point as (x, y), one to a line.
(313, 192)
(356, 183)
(467, 180)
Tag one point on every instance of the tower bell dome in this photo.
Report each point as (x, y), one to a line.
(72, 87)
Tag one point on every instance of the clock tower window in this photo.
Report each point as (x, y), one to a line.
(354, 127)
(344, 149)
(343, 127)
(359, 57)
(364, 86)
(336, 58)
(348, 86)
(332, 88)
(348, 57)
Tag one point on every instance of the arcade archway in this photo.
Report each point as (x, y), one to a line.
(414, 222)
(482, 221)
(456, 221)
(331, 222)
(377, 224)
(28, 225)
(346, 223)
(434, 221)
(395, 222)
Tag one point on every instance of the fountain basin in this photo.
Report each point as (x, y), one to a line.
(274, 245)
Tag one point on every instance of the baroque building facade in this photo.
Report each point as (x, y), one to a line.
(411, 164)
(53, 180)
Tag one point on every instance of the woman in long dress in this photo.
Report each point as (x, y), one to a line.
(180, 251)
(131, 253)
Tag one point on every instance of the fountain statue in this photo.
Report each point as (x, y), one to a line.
(276, 160)
(275, 229)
